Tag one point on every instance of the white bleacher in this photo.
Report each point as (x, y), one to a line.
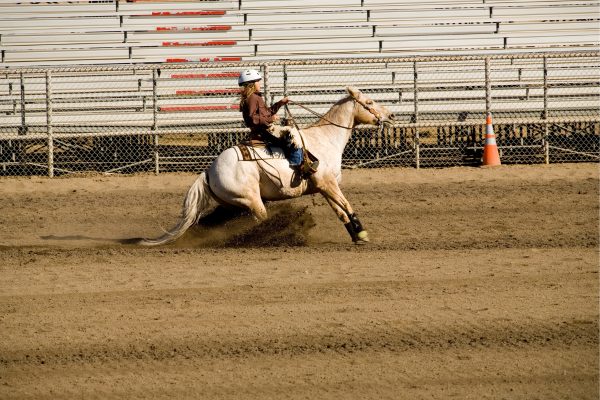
(120, 31)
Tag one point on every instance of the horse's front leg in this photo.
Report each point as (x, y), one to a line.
(343, 209)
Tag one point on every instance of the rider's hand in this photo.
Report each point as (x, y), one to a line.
(285, 100)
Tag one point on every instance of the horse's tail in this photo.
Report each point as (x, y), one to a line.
(197, 204)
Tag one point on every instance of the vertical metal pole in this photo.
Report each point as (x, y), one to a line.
(416, 117)
(266, 88)
(155, 121)
(10, 93)
(23, 128)
(488, 87)
(49, 124)
(545, 114)
(285, 89)
(488, 91)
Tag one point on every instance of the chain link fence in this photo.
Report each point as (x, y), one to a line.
(179, 117)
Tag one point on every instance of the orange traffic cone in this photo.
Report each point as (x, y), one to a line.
(490, 148)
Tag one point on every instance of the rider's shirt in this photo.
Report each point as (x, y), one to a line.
(258, 117)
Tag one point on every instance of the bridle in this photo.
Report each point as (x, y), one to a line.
(370, 109)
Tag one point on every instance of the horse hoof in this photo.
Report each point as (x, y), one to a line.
(362, 237)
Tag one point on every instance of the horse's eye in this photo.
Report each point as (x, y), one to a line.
(369, 102)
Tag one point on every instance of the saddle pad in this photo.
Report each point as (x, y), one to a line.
(249, 153)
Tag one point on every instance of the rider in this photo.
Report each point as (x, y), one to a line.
(258, 117)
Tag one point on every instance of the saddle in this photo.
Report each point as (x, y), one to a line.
(253, 150)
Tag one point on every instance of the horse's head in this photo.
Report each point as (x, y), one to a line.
(368, 111)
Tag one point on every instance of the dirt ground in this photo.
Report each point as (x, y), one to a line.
(478, 284)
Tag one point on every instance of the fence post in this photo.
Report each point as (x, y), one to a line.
(49, 124)
(285, 89)
(23, 127)
(545, 114)
(155, 122)
(266, 88)
(488, 87)
(416, 116)
(488, 92)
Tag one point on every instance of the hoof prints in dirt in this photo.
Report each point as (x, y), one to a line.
(462, 336)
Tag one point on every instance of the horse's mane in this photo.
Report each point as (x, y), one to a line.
(332, 112)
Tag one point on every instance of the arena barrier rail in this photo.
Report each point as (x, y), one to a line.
(179, 116)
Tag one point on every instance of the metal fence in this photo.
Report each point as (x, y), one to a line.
(179, 117)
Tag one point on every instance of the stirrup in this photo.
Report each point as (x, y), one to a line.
(309, 168)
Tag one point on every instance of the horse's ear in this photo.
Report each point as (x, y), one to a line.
(354, 92)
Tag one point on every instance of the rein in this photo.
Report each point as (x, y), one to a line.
(366, 107)
(322, 116)
(313, 112)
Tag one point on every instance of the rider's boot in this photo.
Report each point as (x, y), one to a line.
(309, 167)
(304, 165)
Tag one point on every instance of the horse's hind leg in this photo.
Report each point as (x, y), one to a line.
(255, 205)
(258, 210)
(247, 198)
(343, 209)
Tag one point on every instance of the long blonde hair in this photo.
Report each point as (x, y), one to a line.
(247, 90)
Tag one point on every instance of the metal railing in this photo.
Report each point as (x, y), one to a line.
(178, 117)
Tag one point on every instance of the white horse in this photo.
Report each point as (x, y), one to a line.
(247, 184)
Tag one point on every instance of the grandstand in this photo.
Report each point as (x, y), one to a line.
(148, 31)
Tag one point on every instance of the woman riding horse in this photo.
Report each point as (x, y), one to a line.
(259, 118)
(248, 185)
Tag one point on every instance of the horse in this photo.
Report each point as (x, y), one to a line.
(248, 184)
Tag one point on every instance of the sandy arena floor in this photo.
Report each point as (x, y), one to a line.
(478, 284)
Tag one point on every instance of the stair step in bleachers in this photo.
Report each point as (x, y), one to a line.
(538, 40)
(519, 29)
(60, 9)
(32, 56)
(161, 52)
(153, 22)
(52, 40)
(400, 31)
(90, 24)
(157, 37)
(451, 15)
(323, 32)
(270, 5)
(276, 18)
(443, 42)
(182, 8)
(566, 11)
